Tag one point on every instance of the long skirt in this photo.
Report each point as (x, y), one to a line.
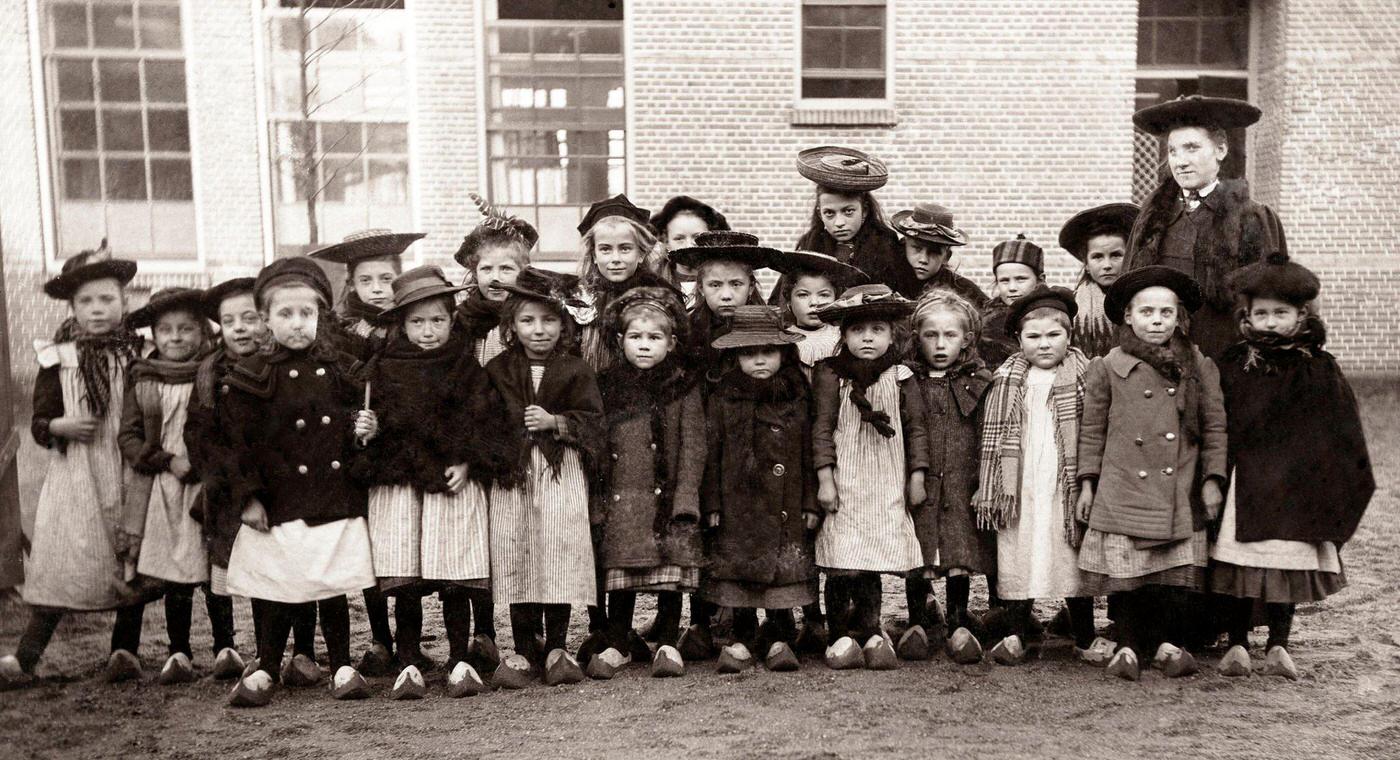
(541, 548)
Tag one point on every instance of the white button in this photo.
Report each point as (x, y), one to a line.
(653, 447)
(779, 470)
(225, 390)
(1168, 471)
(335, 464)
(617, 497)
(1142, 473)
(301, 424)
(301, 468)
(614, 455)
(1171, 391)
(657, 492)
(1171, 436)
(292, 374)
(325, 420)
(1147, 394)
(320, 372)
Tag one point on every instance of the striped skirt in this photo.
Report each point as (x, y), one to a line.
(434, 536)
(541, 549)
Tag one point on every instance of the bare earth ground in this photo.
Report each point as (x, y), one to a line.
(1347, 705)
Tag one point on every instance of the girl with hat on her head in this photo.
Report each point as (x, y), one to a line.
(441, 445)
(811, 281)
(760, 491)
(929, 240)
(494, 254)
(78, 545)
(1018, 266)
(1152, 466)
(1098, 237)
(676, 225)
(724, 264)
(293, 418)
(1301, 475)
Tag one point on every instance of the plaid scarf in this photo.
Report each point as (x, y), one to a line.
(94, 356)
(999, 499)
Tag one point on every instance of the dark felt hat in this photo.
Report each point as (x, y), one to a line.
(729, 246)
(82, 268)
(1108, 219)
(298, 269)
(684, 204)
(1041, 296)
(493, 222)
(1276, 276)
(1019, 251)
(1196, 111)
(664, 300)
(167, 300)
(795, 263)
(367, 244)
(843, 169)
(543, 285)
(862, 302)
(618, 205)
(416, 285)
(929, 222)
(755, 326)
(216, 295)
(1120, 293)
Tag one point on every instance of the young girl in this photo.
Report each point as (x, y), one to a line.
(870, 456)
(1029, 484)
(953, 382)
(760, 490)
(441, 444)
(541, 549)
(929, 239)
(164, 489)
(287, 415)
(77, 545)
(617, 241)
(1098, 237)
(676, 225)
(1301, 473)
(724, 263)
(650, 509)
(494, 254)
(1017, 267)
(1152, 463)
(812, 282)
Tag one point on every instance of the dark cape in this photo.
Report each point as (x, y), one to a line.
(569, 390)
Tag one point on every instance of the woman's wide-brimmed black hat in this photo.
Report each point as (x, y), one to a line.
(1121, 292)
(216, 295)
(684, 204)
(1276, 276)
(1108, 219)
(1041, 297)
(929, 222)
(727, 245)
(367, 244)
(866, 302)
(618, 205)
(799, 262)
(167, 300)
(416, 285)
(82, 268)
(752, 325)
(1196, 111)
(844, 169)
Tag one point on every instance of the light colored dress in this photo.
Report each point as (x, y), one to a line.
(172, 547)
(1034, 557)
(541, 548)
(73, 560)
(817, 344)
(490, 347)
(433, 536)
(871, 529)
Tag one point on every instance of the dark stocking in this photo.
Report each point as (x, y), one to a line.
(304, 631)
(335, 629)
(377, 609)
(525, 623)
(179, 611)
(556, 626)
(1280, 617)
(43, 621)
(273, 621)
(220, 610)
(959, 587)
(622, 606)
(668, 617)
(1081, 619)
(408, 625)
(483, 612)
(746, 627)
(457, 619)
(126, 632)
(838, 606)
(1241, 621)
(916, 592)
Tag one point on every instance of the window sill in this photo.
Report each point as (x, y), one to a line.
(845, 113)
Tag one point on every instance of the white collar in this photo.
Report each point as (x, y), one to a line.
(1203, 192)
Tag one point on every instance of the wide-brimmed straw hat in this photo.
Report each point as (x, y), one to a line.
(1121, 292)
(727, 245)
(1110, 218)
(367, 244)
(166, 300)
(82, 268)
(862, 302)
(1196, 111)
(415, 285)
(929, 222)
(751, 326)
(843, 169)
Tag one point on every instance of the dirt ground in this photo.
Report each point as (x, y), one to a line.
(1346, 706)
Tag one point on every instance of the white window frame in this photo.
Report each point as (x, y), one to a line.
(857, 104)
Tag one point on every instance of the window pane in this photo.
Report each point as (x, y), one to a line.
(170, 180)
(74, 81)
(388, 181)
(126, 179)
(554, 41)
(288, 33)
(78, 129)
(1144, 43)
(1176, 42)
(341, 137)
(165, 81)
(553, 9)
(843, 88)
(160, 26)
(388, 138)
(1176, 8)
(344, 180)
(121, 130)
(1224, 43)
(382, 34)
(821, 49)
(120, 81)
(69, 24)
(600, 41)
(865, 49)
(170, 130)
(512, 40)
(823, 15)
(335, 34)
(113, 26)
(81, 180)
(598, 92)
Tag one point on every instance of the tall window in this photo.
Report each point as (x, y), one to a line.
(338, 119)
(843, 49)
(556, 122)
(115, 78)
(1189, 47)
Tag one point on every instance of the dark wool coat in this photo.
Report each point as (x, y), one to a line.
(210, 455)
(760, 478)
(436, 409)
(945, 523)
(878, 252)
(568, 390)
(1228, 231)
(289, 418)
(650, 490)
(826, 392)
(1301, 468)
(995, 346)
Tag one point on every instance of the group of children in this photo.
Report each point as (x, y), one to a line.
(650, 425)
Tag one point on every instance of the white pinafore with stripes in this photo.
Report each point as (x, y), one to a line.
(871, 529)
(73, 559)
(172, 547)
(435, 536)
(541, 549)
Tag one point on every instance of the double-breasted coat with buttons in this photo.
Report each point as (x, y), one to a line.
(1131, 439)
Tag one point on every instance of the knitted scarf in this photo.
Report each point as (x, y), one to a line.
(94, 352)
(999, 499)
(209, 372)
(1093, 333)
(1176, 361)
(354, 309)
(479, 314)
(863, 373)
(164, 370)
(788, 385)
(1266, 351)
(630, 392)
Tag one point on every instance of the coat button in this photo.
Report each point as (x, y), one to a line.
(292, 374)
(779, 470)
(653, 447)
(1138, 441)
(301, 424)
(614, 456)
(320, 372)
(657, 491)
(301, 468)
(617, 497)
(326, 420)
(783, 514)
(1170, 436)
(335, 464)
(1147, 394)
(1142, 473)
(1171, 391)
(1168, 471)
(775, 428)
(224, 390)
